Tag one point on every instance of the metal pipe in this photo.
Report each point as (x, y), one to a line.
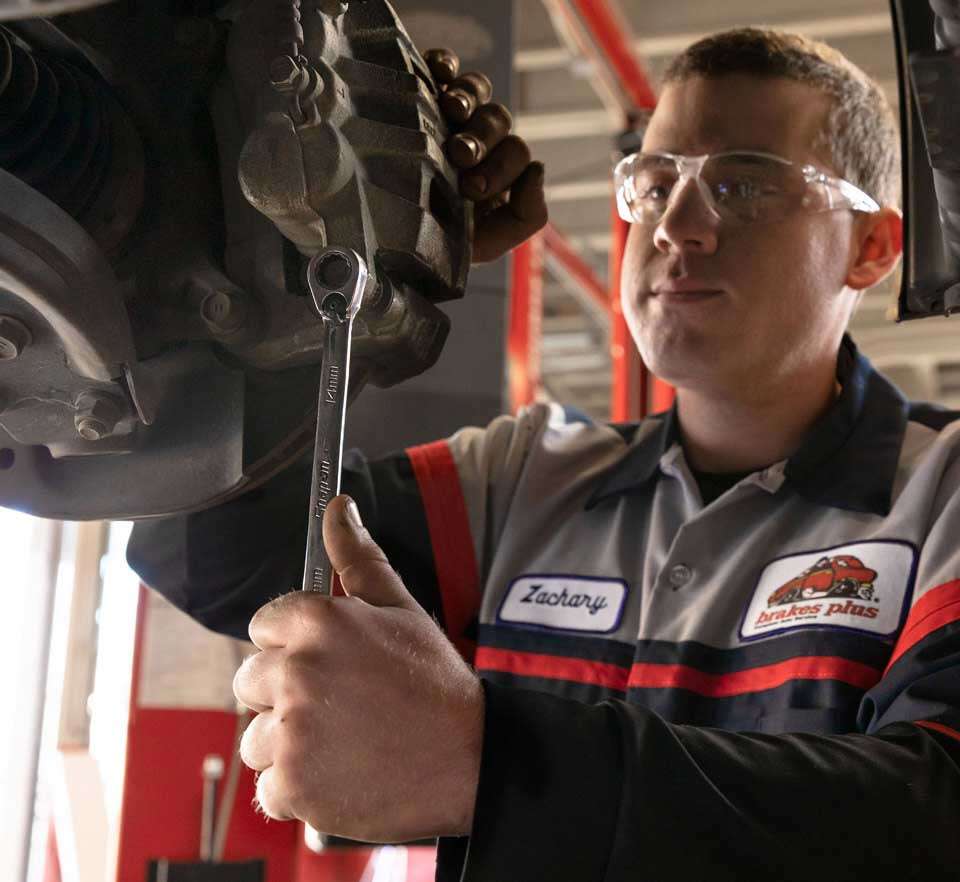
(51, 533)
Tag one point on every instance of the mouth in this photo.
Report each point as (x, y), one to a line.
(684, 292)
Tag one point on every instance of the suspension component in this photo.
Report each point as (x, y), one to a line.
(65, 135)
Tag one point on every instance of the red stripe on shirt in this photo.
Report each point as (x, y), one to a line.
(938, 727)
(815, 667)
(552, 667)
(938, 607)
(450, 538)
(654, 676)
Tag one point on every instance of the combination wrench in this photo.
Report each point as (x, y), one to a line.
(336, 278)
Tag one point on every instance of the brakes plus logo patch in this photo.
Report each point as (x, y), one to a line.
(862, 587)
(570, 603)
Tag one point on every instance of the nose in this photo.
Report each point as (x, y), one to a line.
(688, 223)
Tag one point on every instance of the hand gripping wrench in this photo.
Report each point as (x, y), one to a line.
(336, 278)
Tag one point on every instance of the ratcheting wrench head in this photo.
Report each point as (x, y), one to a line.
(337, 278)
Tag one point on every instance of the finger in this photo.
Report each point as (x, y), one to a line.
(270, 798)
(363, 567)
(506, 162)
(484, 131)
(285, 619)
(255, 681)
(443, 63)
(509, 225)
(256, 745)
(464, 95)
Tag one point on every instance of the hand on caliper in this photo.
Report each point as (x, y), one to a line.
(337, 278)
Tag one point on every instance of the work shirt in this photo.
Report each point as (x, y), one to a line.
(763, 687)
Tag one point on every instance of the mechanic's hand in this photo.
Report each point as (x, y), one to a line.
(369, 722)
(496, 171)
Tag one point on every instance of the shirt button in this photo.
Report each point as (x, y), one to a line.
(680, 575)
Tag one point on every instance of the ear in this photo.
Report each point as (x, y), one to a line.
(880, 238)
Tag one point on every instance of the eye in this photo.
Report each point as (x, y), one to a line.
(655, 193)
(654, 178)
(743, 189)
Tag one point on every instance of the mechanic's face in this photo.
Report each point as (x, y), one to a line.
(713, 306)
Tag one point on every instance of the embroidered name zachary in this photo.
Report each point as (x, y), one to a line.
(568, 603)
(539, 595)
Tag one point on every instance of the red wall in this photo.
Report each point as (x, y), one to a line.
(163, 794)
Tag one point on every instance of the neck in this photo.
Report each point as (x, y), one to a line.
(756, 424)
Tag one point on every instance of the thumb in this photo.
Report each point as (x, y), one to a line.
(364, 569)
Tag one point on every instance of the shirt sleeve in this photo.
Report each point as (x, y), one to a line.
(922, 680)
(612, 792)
(429, 508)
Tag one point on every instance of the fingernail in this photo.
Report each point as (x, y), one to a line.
(461, 99)
(477, 183)
(353, 514)
(471, 144)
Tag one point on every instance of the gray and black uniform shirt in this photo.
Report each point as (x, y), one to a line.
(763, 687)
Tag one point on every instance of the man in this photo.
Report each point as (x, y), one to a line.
(721, 644)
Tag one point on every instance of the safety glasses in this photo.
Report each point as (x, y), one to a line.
(740, 187)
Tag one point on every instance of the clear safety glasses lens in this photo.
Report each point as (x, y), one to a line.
(740, 188)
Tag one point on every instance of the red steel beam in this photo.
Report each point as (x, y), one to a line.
(629, 386)
(575, 266)
(635, 391)
(525, 323)
(610, 33)
(602, 35)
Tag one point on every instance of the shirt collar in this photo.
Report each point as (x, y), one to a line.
(652, 438)
(847, 460)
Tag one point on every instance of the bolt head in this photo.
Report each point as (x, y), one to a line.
(91, 429)
(96, 417)
(14, 338)
(334, 270)
(223, 312)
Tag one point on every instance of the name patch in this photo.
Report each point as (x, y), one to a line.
(570, 603)
(862, 586)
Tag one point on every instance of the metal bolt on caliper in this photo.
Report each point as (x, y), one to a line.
(14, 338)
(337, 278)
(96, 416)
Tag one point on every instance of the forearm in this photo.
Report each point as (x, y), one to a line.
(612, 792)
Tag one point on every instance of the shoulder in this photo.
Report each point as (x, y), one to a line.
(548, 424)
(542, 434)
(930, 452)
(933, 417)
(931, 430)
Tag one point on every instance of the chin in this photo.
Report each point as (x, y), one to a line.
(678, 355)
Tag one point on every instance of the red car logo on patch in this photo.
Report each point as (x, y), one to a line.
(841, 576)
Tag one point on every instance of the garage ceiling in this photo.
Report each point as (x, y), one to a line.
(559, 112)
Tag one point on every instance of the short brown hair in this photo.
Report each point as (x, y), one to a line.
(861, 131)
